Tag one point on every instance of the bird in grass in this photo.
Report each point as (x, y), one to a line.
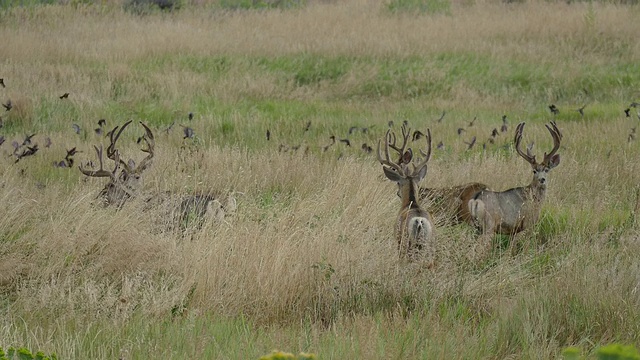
(470, 143)
(1, 139)
(504, 127)
(554, 109)
(581, 110)
(417, 135)
(268, 135)
(366, 148)
(2, 83)
(627, 112)
(472, 121)
(307, 127)
(460, 131)
(188, 132)
(190, 116)
(170, 127)
(76, 128)
(31, 150)
(441, 116)
(64, 96)
(632, 135)
(440, 146)
(333, 141)
(346, 142)
(1, 124)
(27, 140)
(47, 142)
(8, 106)
(100, 129)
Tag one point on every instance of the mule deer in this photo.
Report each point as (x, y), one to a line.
(512, 211)
(449, 201)
(124, 184)
(414, 226)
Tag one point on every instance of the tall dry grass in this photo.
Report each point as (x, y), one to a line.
(308, 261)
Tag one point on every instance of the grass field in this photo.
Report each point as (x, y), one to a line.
(308, 262)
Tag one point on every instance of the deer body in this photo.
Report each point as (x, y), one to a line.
(512, 211)
(453, 201)
(414, 225)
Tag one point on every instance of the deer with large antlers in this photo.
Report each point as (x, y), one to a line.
(124, 184)
(414, 226)
(512, 211)
(448, 201)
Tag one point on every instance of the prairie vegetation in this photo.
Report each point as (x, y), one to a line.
(309, 262)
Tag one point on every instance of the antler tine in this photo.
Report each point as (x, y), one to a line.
(518, 137)
(405, 137)
(101, 172)
(387, 160)
(111, 150)
(557, 136)
(148, 138)
(426, 155)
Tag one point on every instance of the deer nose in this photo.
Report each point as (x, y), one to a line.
(543, 180)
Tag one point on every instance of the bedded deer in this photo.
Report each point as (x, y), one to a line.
(512, 211)
(414, 226)
(450, 202)
(125, 183)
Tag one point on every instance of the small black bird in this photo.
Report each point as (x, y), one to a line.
(333, 141)
(554, 109)
(390, 123)
(2, 83)
(1, 139)
(581, 110)
(471, 143)
(8, 105)
(1, 124)
(30, 151)
(627, 111)
(473, 121)
(76, 128)
(27, 139)
(634, 104)
(417, 135)
(188, 132)
(60, 164)
(190, 116)
(98, 131)
(268, 135)
(460, 131)
(494, 133)
(366, 148)
(170, 127)
(64, 96)
(440, 146)
(441, 116)
(346, 142)
(102, 122)
(307, 127)
(47, 142)
(352, 129)
(504, 127)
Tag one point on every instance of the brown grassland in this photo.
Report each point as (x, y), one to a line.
(308, 262)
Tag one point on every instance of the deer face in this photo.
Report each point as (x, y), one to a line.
(540, 171)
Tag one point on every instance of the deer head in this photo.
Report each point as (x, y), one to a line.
(124, 179)
(550, 160)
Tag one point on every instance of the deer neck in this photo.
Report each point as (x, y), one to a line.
(409, 195)
(536, 191)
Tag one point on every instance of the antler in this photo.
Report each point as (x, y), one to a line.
(148, 138)
(387, 160)
(405, 141)
(530, 158)
(102, 172)
(557, 136)
(111, 150)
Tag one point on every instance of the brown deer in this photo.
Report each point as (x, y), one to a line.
(452, 202)
(512, 211)
(414, 226)
(124, 184)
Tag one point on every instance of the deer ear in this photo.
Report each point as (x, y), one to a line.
(391, 174)
(555, 160)
(407, 156)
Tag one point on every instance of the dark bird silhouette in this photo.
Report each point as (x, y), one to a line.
(333, 141)
(440, 146)
(27, 139)
(1, 139)
(581, 110)
(417, 135)
(168, 128)
(460, 131)
(352, 129)
(76, 128)
(345, 141)
(494, 132)
(60, 164)
(2, 83)
(632, 135)
(634, 104)
(268, 135)
(8, 106)
(1, 123)
(504, 127)
(366, 148)
(627, 112)
(390, 123)
(473, 121)
(188, 132)
(47, 142)
(554, 109)
(102, 122)
(283, 148)
(190, 116)
(307, 127)
(98, 131)
(441, 116)
(64, 96)
(471, 143)
(31, 150)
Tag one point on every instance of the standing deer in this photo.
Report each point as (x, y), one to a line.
(512, 211)
(452, 201)
(414, 226)
(123, 185)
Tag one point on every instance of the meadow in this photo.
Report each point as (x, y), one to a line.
(308, 263)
